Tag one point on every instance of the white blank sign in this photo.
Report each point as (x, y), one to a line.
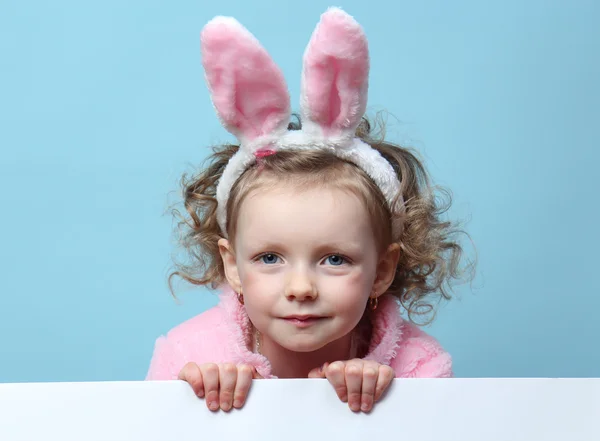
(300, 410)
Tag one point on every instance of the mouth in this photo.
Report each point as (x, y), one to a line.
(304, 321)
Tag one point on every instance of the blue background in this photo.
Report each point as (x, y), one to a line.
(103, 107)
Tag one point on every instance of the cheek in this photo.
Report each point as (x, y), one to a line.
(350, 293)
(250, 279)
(260, 292)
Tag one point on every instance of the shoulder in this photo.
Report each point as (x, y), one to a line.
(200, 339)
(419, 355)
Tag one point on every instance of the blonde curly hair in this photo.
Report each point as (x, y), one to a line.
(430, 257)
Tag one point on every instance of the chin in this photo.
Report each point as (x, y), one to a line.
(303, 346)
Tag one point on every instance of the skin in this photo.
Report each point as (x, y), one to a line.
(301, 252)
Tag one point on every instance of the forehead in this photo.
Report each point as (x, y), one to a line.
(314, 213)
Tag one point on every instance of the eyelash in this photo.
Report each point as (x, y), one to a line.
(345, 260)
(260, 257)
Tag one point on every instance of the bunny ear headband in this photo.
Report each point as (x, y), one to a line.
(251, 99)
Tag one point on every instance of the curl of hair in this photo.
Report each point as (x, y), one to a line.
(430, 257)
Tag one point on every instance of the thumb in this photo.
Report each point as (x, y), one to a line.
(256, 375)
(318, 372)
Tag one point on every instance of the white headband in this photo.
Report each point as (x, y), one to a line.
(251, 99)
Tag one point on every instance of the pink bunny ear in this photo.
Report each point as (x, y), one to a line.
(335, 76)
(248, 89)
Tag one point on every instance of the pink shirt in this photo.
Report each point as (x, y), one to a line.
(223, 334)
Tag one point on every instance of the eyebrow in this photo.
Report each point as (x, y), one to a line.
(346, 246)
(255, 245)
(350, 247)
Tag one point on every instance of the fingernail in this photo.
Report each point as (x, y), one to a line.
(213, 405)
(237, 403)
(226, 406)
(364, 407)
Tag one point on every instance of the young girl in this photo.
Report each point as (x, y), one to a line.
(316, 233)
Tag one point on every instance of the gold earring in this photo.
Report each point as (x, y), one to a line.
(373, 303)
(240, 296)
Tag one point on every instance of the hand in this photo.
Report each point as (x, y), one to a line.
(224, 385)
(358, 382)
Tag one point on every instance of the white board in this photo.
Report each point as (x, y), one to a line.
(301, 410)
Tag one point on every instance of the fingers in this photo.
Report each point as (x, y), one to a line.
(370, 376)
(191, 374)
(210, 375)
(359, 383)
(347, 378)
(354, 379)
(223, 385)
(386, 375)
(228, 376)
(255, 374)
(318, 372)
(242, 386)
(335, 374)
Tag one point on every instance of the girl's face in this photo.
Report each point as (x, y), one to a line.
(307, 262)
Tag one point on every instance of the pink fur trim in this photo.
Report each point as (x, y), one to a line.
(240, 331)
(247, 88)
(335, 75)
(387, 331)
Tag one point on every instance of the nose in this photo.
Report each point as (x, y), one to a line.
(300, 286)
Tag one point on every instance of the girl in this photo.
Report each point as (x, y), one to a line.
(316, 233)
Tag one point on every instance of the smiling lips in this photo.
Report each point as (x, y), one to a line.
(303, 321)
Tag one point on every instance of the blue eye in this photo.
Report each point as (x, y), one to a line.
(269, 259)
(335, 260)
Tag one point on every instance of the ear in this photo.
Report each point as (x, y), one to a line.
(386, 269)
(230, 265)
(335, 76)
(247, 88)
